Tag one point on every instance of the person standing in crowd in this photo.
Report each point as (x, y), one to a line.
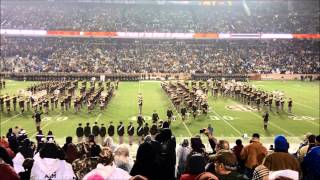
(237, 151)
(155, 117)
(140, 120)
(280, 159)
(70, 150)
(79, 133)
(87, 131)
(111, 130)
(102, 132)
(37, 118)
(120, 131)
(253, 154)
(182, 153)
(265, 120)
(21, 105)
(153, 130)
(95, 130)
(130, 132)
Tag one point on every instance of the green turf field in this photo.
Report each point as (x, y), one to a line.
(226, 123)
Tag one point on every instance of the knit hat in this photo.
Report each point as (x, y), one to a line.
(196, 164)
(281, 144)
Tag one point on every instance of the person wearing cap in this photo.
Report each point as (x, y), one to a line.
(79, 133)
(120, 131)
(225, 164)
(153, 130)
(111, 130)
(146, 129)
(87, 131)
(39, 136)
(280, 159)
(130, 132)
(50, 136)
(183, 151)
(102, 132)
(140, 134)
(95, 130)
(265, 120)
(155, 117)
(140, 102)
(253, 154)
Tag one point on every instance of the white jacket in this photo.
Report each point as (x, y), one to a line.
(108, 173)
(17, 163)
(53, 169)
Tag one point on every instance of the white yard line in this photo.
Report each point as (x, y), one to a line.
(235, 129)
(98, 117)
(306, 106)
(5, 121)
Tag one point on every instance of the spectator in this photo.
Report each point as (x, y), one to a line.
(105, 169)
(48, 166)
(305, 149)
(108, 142)
(226, 166)
(237, 151)
(27, 166)
(122, 158)
(195, 166)
(6, 169)
(281, 159)
(183, 151)
(70, 150)
(311, 164)
(253, 154)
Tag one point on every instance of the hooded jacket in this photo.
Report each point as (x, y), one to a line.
(108, 173)
(48, 168)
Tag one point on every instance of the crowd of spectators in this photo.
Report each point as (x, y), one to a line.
(257, 16)
(38, 54)
(158, 157)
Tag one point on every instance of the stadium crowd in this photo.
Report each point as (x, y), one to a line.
(256, 17)
(38, 54)
(158, 157)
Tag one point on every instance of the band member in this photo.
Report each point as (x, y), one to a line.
(153, 130)
(90, 105)
(130, 132)
(79, 133)
(102, 132)
(258, 101)
(62, 104)
(39, 136)
(270, 102)
(50, 136)
(169, 114)
(265, 120)
(76, 105)
(183, 113)
(56, 102)
(282, 104)
(28, 104)
(102, 103)
(194, 110)
(52, 102)
(111, 130)
(37, 118)
(120, 131)
(7, 100)
(140, 120)
(14, 102)
(2, 103)
(87, 131)
(140, 102)
(277, 103)
(95, 130)
(290, 105)
(146, 129)
(140, 133)
(46, 106)
(205, 108)
(21, 105)
(155, 117)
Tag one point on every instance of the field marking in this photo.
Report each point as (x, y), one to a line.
(310, 107)
(98, 117)
(310, 121)
(235, 129)
(5, 121)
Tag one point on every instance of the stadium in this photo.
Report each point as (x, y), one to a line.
(164, 90)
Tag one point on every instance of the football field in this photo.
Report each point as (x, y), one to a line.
(228, 117)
